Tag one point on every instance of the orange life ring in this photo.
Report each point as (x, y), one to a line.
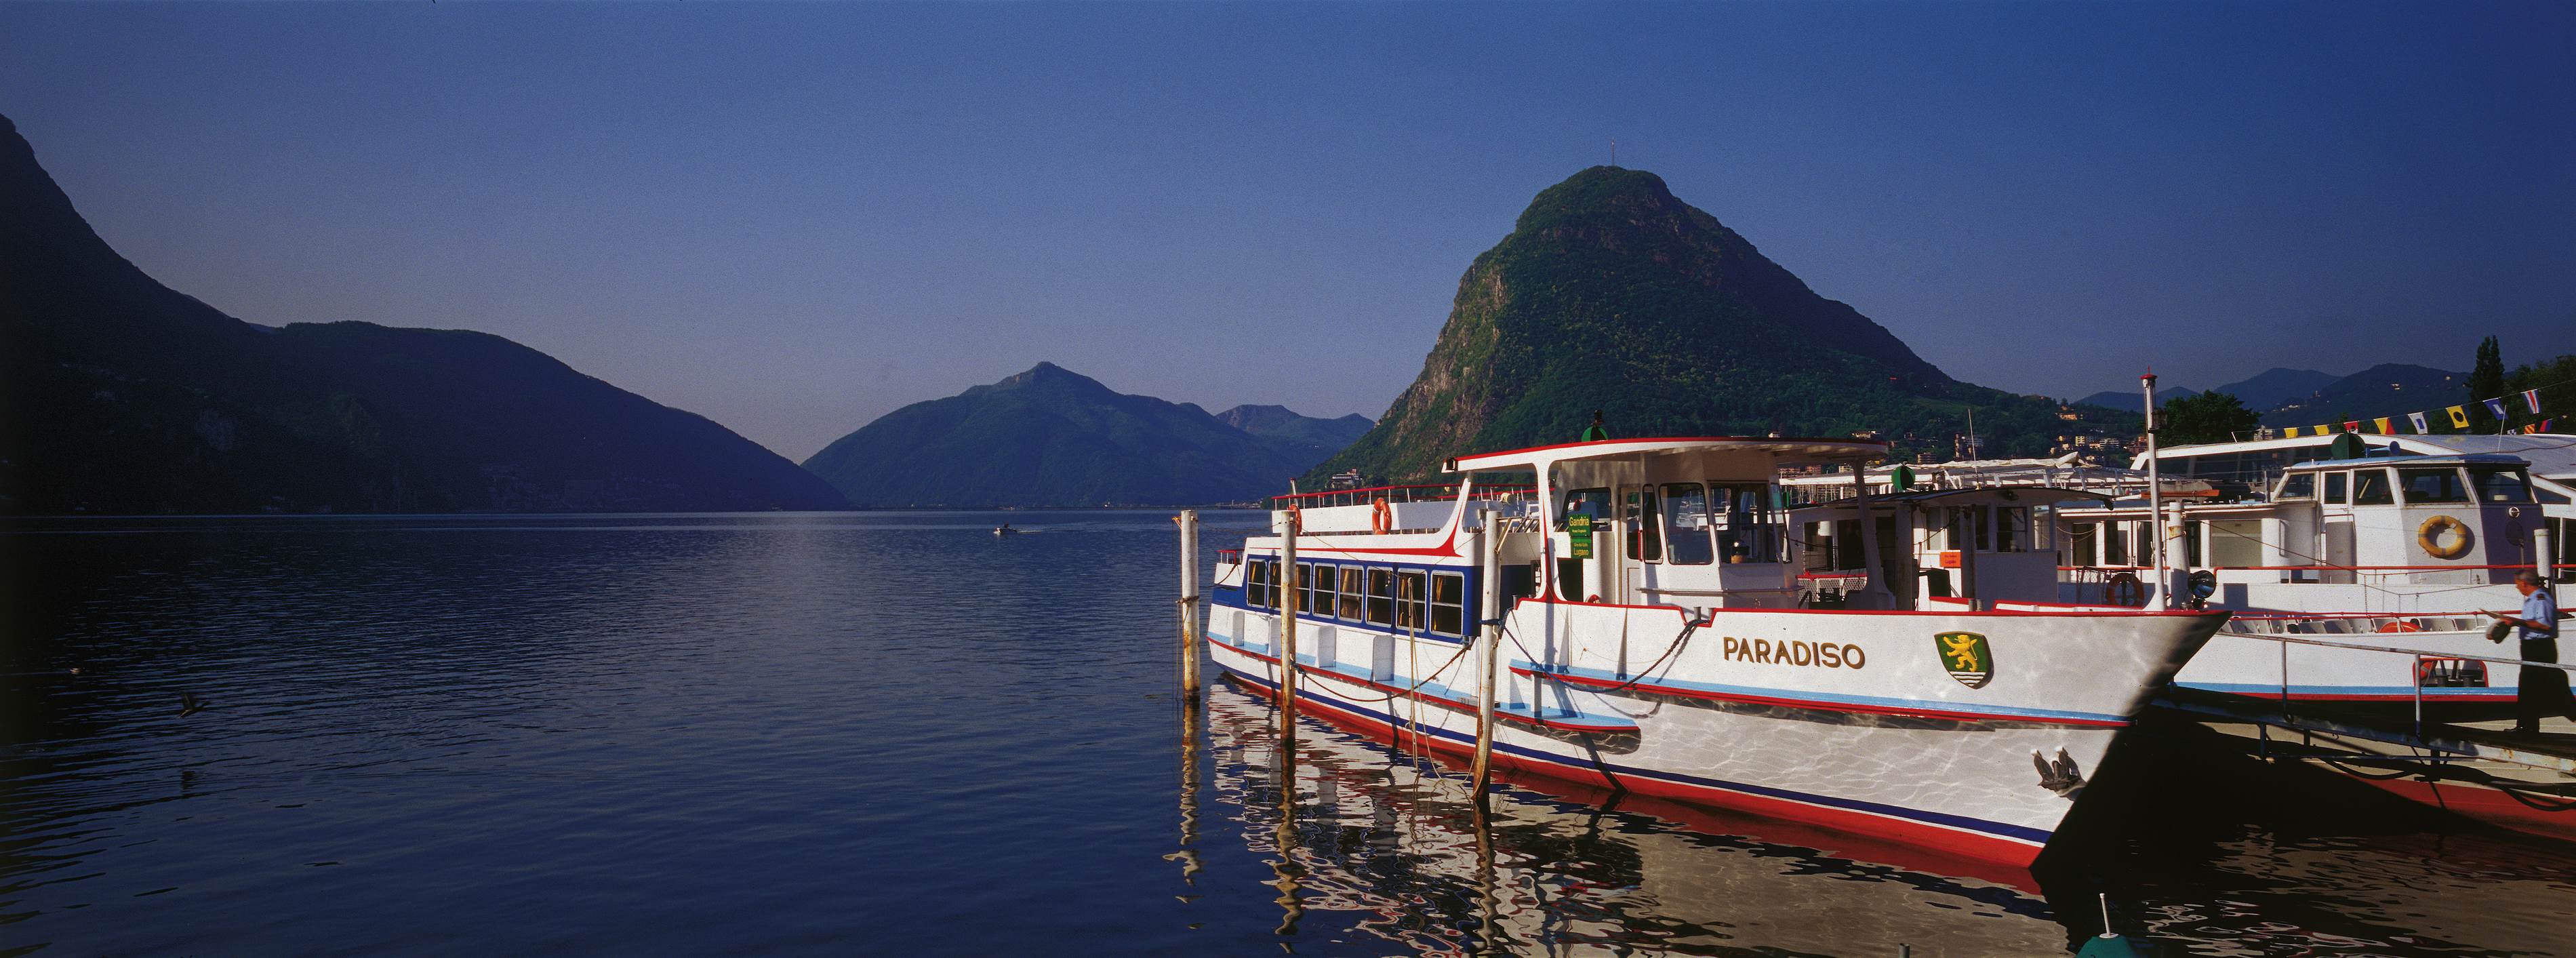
(1381, 516)
(2124, 589)
(2434, 530)
(2401, 625)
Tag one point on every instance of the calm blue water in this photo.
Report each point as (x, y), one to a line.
(897, 734)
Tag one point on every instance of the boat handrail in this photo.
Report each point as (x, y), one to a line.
(2303, 568)
(2415, 677)
(1392, 494)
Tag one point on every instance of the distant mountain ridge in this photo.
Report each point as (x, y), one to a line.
(2307, 397)
(118, 394)
(1053, 437)
(1612, 294)
(1279, 422)
(2388, 389)
(2135, 400)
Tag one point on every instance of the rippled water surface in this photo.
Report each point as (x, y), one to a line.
(898, 734)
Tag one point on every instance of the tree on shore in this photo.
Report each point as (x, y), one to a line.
(2206, 417)
(2486, 381)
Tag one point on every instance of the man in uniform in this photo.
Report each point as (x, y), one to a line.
(2543, 689)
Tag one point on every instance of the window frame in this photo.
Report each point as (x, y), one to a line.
(1380, 606)
(1706, 538)
(1419, 581)
(1434, 605)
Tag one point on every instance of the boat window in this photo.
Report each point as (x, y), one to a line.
(2439, 484)
(2370, 488)
(2082, 541)
(2115, 543)
(1645, 535)
(2012, 529)
(1381, 596)
(1408, 600)
(1686, 531)
(2499, 485)
(1743, 517)
(2335, 482)
(2301, 486)
(1591, 502)
(1317, 583)
(1449, 603)
(1354, 590)
(1256, 584)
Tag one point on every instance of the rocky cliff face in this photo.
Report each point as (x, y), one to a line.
(1612, 294)
(118, 394)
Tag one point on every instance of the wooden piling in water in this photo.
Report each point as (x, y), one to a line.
(1191, 653)
(1287, 584)
(1488, 551)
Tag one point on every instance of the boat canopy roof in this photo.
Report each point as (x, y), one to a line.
(2468, 459)
(1778, 450)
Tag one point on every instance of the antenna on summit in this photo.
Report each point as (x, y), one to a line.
(1614, 153)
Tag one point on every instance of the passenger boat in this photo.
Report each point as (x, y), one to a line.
(1655, 637)
(2394, 552)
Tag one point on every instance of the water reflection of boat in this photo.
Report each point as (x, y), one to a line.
(1396, 844)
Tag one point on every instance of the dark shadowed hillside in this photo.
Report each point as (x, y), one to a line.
(122, 395)
(1050, 437)
(1282, 424)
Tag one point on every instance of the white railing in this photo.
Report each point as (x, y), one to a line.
(2415, 672)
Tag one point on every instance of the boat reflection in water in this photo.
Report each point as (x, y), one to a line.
(1396, 843)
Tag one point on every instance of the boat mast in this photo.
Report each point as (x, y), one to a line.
(2155, 497)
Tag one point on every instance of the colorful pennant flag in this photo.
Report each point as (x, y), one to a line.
(2321, 430)
(2459, 417)
(2495, 406)
(2417, 420)
(2534, 427)
(2350, 425)
(2531, 398)
(2382, 423)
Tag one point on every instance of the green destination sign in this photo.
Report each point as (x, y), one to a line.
(1578, 527)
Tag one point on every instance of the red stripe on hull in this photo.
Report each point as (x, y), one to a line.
(1984, 848)
(2483, 804)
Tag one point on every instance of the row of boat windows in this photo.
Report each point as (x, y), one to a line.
(1690, 523)
(1401, 599)
(2419, 486)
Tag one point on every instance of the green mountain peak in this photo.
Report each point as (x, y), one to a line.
(1611, 293)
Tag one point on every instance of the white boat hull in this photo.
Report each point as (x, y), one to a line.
(1875, 736)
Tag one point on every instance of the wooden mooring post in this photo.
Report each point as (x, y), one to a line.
(1488, 550)
(1191, 653)
(1287, 584)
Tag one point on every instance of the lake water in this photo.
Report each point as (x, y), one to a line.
(893, 733)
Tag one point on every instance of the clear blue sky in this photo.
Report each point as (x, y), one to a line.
(794, 218)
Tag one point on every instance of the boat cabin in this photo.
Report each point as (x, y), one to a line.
(1967, 546)
(2405, 523)
(1697, 523)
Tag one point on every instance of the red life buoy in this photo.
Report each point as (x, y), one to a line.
(2123, 589)
(1381, 516)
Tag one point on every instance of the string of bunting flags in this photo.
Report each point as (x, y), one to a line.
(2458, 416)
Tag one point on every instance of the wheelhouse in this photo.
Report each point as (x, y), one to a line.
(1696, 523)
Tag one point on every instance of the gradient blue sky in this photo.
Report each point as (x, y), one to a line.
(794, 218)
